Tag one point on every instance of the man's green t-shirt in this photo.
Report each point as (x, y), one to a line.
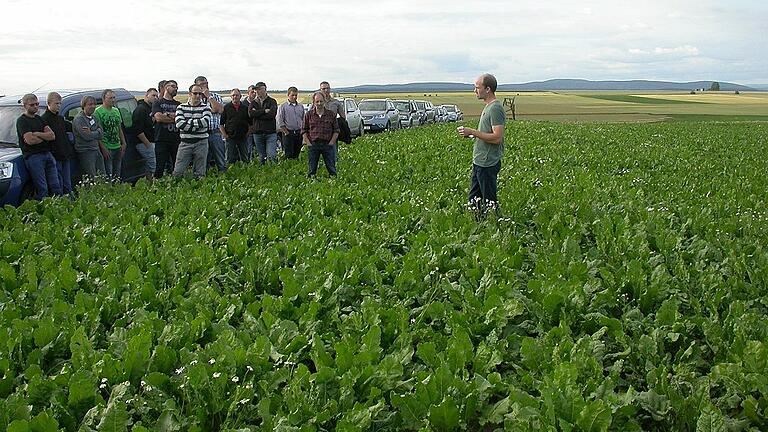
(110, 120)
(484, 154)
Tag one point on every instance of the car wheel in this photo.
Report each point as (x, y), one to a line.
(361, 130)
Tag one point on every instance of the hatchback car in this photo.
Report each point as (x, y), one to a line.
(409, 114)
(15, 183)
(379, 115)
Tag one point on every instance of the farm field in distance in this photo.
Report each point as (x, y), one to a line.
(623, 287)
(589, 106)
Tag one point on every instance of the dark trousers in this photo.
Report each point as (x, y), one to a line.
(292, 144)
(165, 154)
(65, 175)
(44, 174)
(317, 149)
(482, 190)
(237, 150)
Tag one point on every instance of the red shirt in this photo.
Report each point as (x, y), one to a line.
(320, 128)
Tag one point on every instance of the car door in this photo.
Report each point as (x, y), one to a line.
(353, 117)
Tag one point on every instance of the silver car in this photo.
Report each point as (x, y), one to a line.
(379, 115)
(354, 116)
(409, 114)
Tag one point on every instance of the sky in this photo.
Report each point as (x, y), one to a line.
(52, 45)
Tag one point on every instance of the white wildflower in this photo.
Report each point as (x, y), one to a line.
(216, 374)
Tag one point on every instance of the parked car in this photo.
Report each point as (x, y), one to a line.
(15, 183)
(454, 113)
(354, 117)
(421, 107)
(379, 115)
(440, 114)
(430, 112)
(409, 115)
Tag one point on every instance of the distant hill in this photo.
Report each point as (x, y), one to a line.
(549, 85)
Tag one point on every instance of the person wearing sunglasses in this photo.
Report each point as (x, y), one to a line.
(35, 138)
(193, 119)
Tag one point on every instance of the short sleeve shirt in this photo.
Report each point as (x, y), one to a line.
(485, 154)
(111, 121)
(26, 124)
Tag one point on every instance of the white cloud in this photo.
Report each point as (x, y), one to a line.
(290, 42)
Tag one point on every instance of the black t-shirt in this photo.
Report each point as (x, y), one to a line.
(142, 122)
(166, 132)
(26, 124)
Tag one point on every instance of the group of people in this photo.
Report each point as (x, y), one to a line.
(169, 136)
(172, 135)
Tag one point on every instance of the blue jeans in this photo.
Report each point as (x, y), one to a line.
(65, 175)
(329, 157)
(147, 156)
(266, 146)
(216, 150)
(114, 164)
(482, 190)
(44, 174)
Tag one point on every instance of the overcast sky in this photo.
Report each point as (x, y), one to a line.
(133, 44)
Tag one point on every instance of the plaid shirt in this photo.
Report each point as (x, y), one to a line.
(320, 128)
(215, 117)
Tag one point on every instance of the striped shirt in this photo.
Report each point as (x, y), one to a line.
(215, 117)
(193, 121)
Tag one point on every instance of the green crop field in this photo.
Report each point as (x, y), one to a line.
(583, 106)
(622, 287)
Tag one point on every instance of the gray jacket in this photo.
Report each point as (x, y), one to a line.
(87, 132)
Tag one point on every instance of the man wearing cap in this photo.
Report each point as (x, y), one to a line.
(216, 149)
(262, 111)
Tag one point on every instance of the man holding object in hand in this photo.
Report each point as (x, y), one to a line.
(488, 147)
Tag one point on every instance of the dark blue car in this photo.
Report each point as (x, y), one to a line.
(15, 184)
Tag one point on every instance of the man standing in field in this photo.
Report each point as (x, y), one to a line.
(488, 148)
(61, 147)
(91, 153)
(216, 149)
(166, 133)
(144, 132)
(290, 119)
(193, 119)
(337, 106)
(112, 123)
(234, 128)
(35, 141)
(321, 130)
(250, 140)
(263, 111)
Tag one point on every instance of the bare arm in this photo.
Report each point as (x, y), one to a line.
(47, 134)
(494, 137)
(31, 139)
(216, 106)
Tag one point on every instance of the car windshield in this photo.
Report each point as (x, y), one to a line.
(373, 106)
(8, 116)
(403, 106)
(421, 105)
(450, 108)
